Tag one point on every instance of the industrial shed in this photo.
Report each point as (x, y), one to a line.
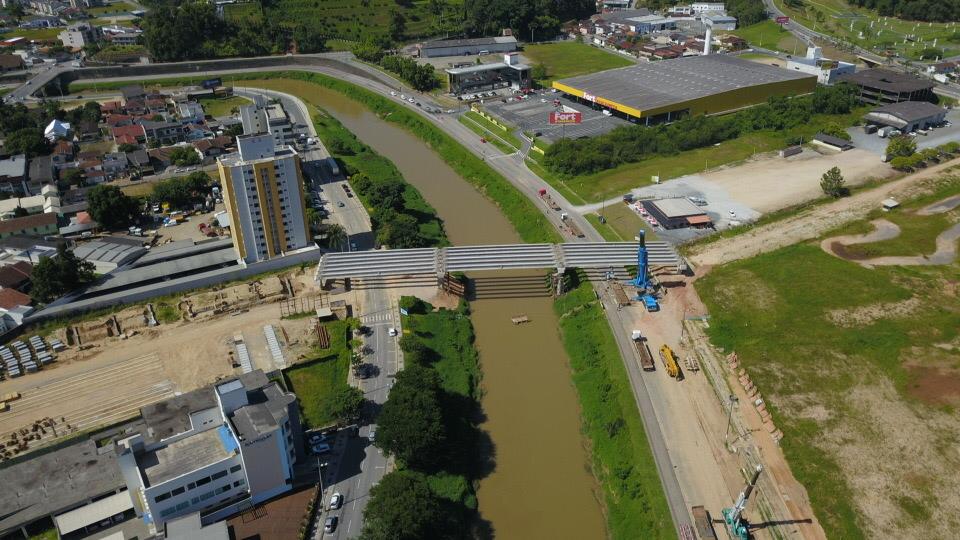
(677, 213)
(907, 116)
(670, 89)
(460, 47)
(879, 86)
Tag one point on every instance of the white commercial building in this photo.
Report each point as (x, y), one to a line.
(213, 451)
(263, 192)
(825, 69)
(78, 36)
(703, 7)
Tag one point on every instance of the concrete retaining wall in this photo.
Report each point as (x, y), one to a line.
(198, 281)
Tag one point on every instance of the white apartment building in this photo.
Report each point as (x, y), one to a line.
(270, 119)
(78, 36)
(212, 451)
(263, 191)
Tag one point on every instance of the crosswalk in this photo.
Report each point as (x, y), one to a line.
(379, 317)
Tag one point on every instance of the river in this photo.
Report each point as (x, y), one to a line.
(541, 486)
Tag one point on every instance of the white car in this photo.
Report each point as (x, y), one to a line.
(392, 93)
(336, 501)
(607, 113)
(411, 100)
(392, 332)
(732, 214)
(317, 438)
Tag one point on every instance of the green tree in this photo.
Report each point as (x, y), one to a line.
(387, 194)
(832, 183)
(110, 207)
(336, 235)
(181, 192)
(28, 141)
(54, 276)
(128, 147)
(403, 507)
(415, 351)
(71, 177)
(345, 403)
(183, 156)
(411, 422)
(399, 231)
(539, 72)
(901, 146)
(398, 25)
(836, 130)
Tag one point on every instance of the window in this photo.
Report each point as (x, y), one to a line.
(178, 491)
(195, 500)
(191, 485)
(182, 506)
(206, 495)
(203, 481)
(238, 483)
(161, 497)
(220, 474)
(235, 468)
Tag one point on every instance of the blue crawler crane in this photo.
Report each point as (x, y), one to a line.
(736, 525)
(642, 281)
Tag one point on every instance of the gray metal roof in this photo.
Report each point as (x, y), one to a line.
(444, 43)
(55, 481)
(911, 111)
(886, 80)
(133, 276)
(658, 84)
(108, 251)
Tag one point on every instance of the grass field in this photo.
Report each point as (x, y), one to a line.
(859, 369)
(770, 35)
(222, 106)
(622, 461)
(846, 22)
(118, 8)
(504, 134)
(38, 34)
(569, 58)
(350, 20)
(318, 379)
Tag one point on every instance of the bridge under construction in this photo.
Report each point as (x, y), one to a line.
(440, 261)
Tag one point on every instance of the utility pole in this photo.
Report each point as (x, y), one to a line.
(732, 400)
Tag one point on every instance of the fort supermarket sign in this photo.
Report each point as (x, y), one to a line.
(566, 117)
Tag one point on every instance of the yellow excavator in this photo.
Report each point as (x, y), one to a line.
(670, 362)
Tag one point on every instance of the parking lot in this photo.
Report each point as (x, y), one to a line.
(532, 114)
(935, 137)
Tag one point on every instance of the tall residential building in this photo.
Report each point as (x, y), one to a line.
(263, 189)
(215, 450)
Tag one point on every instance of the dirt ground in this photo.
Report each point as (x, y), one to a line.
(278, 519)
(810, 223)
(772, 183)
(152, 363)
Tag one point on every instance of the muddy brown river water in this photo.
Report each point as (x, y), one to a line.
(541, 486)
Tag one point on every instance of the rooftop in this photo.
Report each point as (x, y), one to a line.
(887, 81)
(443, 43)
(187, 454)
(678, 207)
(485, 67)
(658, 84)
(109, 250)
(53, 481)
(13, 166)
(910, 110)
(27, 222)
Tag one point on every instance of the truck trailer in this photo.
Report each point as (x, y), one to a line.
(646, 359)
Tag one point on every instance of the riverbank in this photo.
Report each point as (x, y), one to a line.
(622, 459)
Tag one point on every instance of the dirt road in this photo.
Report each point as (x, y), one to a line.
(809, 223)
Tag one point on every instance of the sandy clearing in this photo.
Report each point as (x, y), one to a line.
(807, 224)
(774, 183)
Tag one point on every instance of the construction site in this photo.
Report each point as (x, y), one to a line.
(159, 349)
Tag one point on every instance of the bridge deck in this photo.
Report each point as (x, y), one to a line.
(437, 261)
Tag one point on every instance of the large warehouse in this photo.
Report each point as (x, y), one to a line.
(669, 89)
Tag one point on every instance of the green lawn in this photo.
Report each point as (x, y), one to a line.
(569, 58)
(917, 233)
(222, 106)
(39, 34)
(769, 35)
(117, 8)
(823, 338)
(486, 135)
(622, 460)
(505, 134)
(318, 379)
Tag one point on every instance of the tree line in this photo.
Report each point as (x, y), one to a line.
(428, 424)
(529, 19)
(192, 30)
(914, 10)
(629, 144)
